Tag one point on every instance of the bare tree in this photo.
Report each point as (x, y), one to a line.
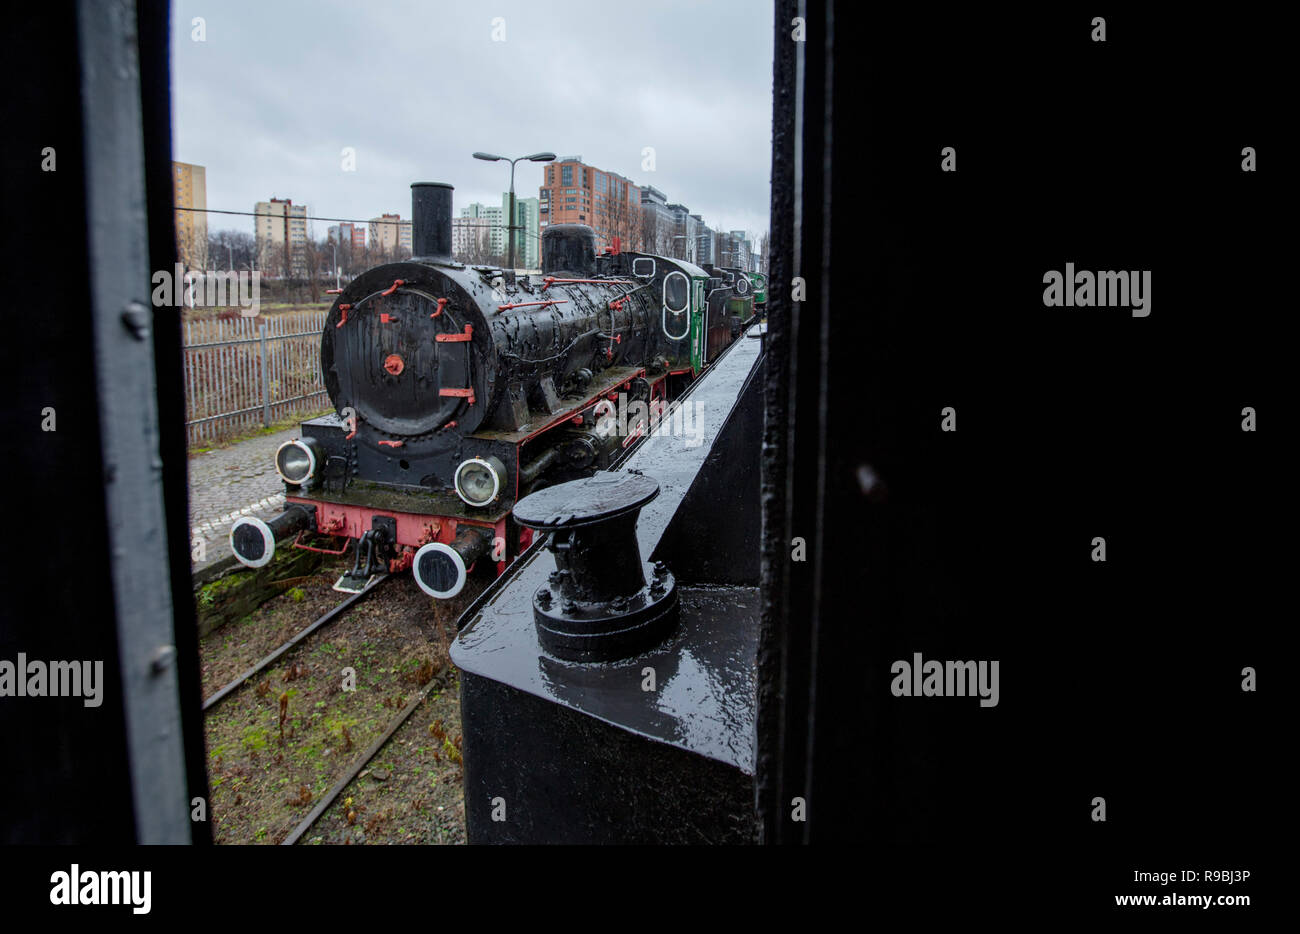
(475, 250)
(764, 251)
(232, 248)
(657, 233)
(313, 254)
(622, 217)
(649, 223)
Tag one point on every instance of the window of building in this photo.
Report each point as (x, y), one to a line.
(566, 175)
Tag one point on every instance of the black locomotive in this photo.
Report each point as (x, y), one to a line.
(458, 389)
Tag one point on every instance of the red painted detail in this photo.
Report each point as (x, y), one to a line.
(616, 247)
(577, 419)
(386, 318)
(430, 534)
(402, 562)
(392, 444)
(349, 436)
(549, 301)
(393, 288)
(450, 424)
(344, 319)
(442, 303)
(640, 430)
(333, 291)
(548, 281)
(394, 364)
(413, 529)
(297, 543)
(612, 396)
(332, 526)
(456, 338)
(459, 393)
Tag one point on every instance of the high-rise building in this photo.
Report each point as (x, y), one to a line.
(528, 232)
(190, 190)
(489, 221)
(739, 250)
(469, 240)
(658, 222)
(575, 193)
(704, 241)
(277, 222)
(349, 234)
(685, 232)
(390, 233)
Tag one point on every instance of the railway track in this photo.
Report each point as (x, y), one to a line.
(270, 659)
(324, 802)
(366, 755)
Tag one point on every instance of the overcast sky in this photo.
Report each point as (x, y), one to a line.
(268, 101)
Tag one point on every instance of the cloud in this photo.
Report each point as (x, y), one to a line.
(268, 102)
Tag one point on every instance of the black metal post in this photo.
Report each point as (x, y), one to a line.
(511, 225)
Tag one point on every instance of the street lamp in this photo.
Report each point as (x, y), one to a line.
(535, 157)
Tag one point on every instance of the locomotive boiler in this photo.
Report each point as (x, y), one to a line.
(459, 389)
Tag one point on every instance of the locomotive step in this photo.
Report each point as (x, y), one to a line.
(349, 584)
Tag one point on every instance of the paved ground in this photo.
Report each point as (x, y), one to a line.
(230, 482)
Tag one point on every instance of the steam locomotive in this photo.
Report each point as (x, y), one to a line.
(460, 389)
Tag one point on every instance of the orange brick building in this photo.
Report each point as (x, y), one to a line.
(573, 192)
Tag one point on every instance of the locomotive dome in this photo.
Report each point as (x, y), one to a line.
(569, 248)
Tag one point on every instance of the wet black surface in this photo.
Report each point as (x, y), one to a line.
(704, 675)
(579, 502)
(703, 699)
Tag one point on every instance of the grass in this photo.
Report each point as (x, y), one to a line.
(274, 428)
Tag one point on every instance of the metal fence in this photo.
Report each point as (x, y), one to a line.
(247, 373)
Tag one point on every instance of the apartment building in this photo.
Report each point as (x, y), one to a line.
(390, 233)
(276, 223)
(573, 192)
(190, 190)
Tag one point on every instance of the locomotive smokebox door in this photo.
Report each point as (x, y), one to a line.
(603, 602)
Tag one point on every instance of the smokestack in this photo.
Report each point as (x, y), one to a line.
(431, 221)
